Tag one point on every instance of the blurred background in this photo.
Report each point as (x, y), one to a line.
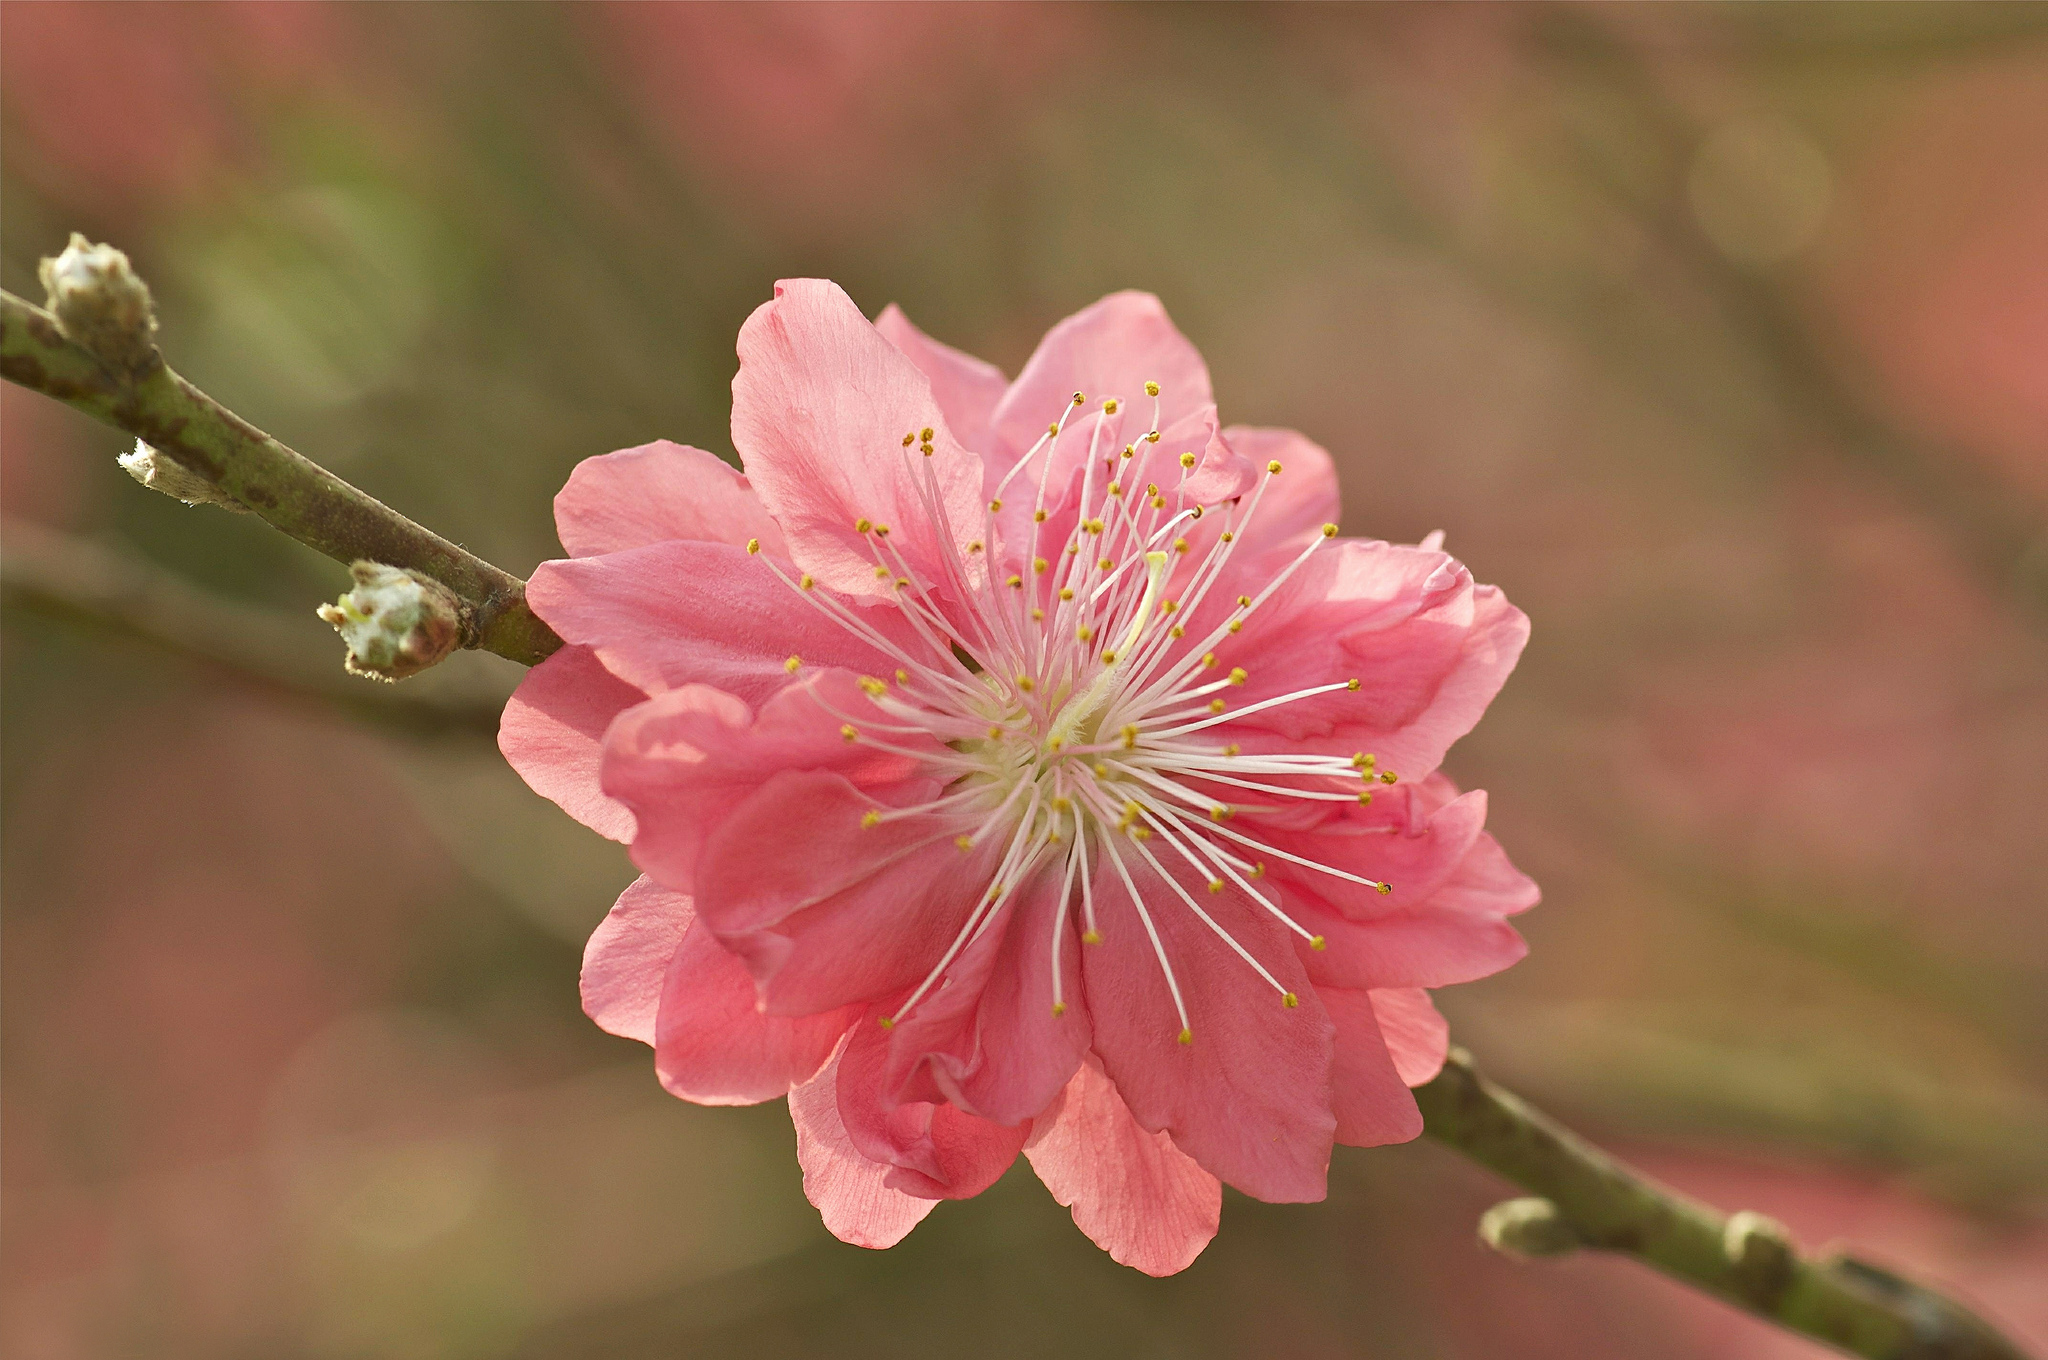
(1717, 336)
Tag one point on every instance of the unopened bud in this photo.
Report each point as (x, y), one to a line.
(101, 304)
(1526, 1228)
(1761, 1251)
(159, 473)
(396, 623)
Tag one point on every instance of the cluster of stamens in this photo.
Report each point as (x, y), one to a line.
(1073, 706)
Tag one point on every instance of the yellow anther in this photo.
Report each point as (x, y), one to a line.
(1232, 749)
(1016, 583)
(925, 434)
(1052, 429)
(1062, 804)
(994, 506)
(805, 582)
(1194, 512)
(1026, 683)
(1053, 744)
(1216, 705)
(1208, 660)
(1237, 675)
(1290, 1000)
(1130, 736)
(1229, 537)
(1141, 833)
(1365, 797)
(873, 686)
(1180, 545)
(1101, 770)
(1215, 885)
(1187, 1037)
(1059, 1008)
(881, 573)
(908, 440)
(1109, 407)
(1274, 466)
(902, 676)
(1085, 633)
(964, 842)
(1105, 563)
(975, 546)
(1329, 531)
(1219, 813)
(902, 581)
(925, 449)
(1151, 436)
(1039, 564)
(1187, 460)
(1384, 888)
(1259, 869)
(792, 664)
(1243, 601)
(1389, 777)
(1318, 943)
(1151, 488)
(870, 819)
(1037, 614)
(1132, 808)
(1038, 516)
(1151, 389)
(1168, 606)
(863, 524)
(1080, 399)
(1116, 491)
(1091, 937)
(1159, 502)
(1351, 684)
(1066, 593)
(1093, 526)
(1237, 625)
(881, 531)
(850, 732)
(1109, 658)
(995, 734)
(1176, 631)
(885, 1022)
(1364, 760)
(753, 546)
(1130, 451)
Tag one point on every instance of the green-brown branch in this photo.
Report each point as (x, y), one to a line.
(1588, 1199)
(290, 492)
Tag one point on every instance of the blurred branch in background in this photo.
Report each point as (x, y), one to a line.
(60, 576)
(142, 395)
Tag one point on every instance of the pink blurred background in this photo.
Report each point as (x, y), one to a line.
(1717, 336)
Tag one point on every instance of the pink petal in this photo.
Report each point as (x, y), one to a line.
(1111, 349)
(687, 612)
(1416, 1034)
(628, 956)
(1137, 1196)
(846, 913)
(685, 759)
(848, 1189)
(966, 388)
(552, 730)
(1301, 499)
(988, 1041)
(819, 412)
(1249, 1098)
(934, 1149)
(1372, 1102)
(655, 493)
(713, 1044)
(1412, 837)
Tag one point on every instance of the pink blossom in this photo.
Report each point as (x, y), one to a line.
(1020, 767)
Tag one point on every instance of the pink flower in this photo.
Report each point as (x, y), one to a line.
(1013, 769)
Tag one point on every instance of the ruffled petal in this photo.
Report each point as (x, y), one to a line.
(849, 1190)
(989, 1040)
(658, 492)
(820, 409)
(685, 759)
(689, 612)
(966, 388)
(1137, 1196)
(552, 734)
(1371, 1100)
(843, 912)
(1416, 1033)
(628, 956)
(1302, 498)
(1249, 1096)
(934, 1149)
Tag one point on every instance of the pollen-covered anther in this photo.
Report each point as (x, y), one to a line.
(881, 531)
(1229, 537)
(1187, 460)
(1067, 593)
(1219, 813)
(1238, 675)
(793, 663)
(1116, 491)
(908, 440)
(863, 524)
(1216, 705)
(875, 688)
(1080, 399)
(1038, 565)
(1289, 1000)
(1106, 563)
(808, 582)
(995, 506)
(1130, 451)
(1329, 531)
(1389, 777)
(1208, 660)
(995, 733)
(753, 546)
(871, 818)
(1187, 1038)
(1258, 870)
(902, 676)
(1236, 625)
(1085, 633)
(1062, 804)
(1109, 658)
(1091, 937)
(1109, 407)
(1151, 436)
(1364, 760)
(1180, 545)
(1168, 606)
(1026, 683)
(1015, 582)
(885, 1022)
(849, 731)
(925, 449)
(1059, 1008)
(1130, 733)
(1038, 516)
(1318, 943)
(1274, 467)
(1365, 797)
(1151, 389)
(881, 573)
(1384, 888)
(1093, 526)
(964, 842)
(1158, 502)
(1351, 684)
(1232, 749)
(1215, 885)
(925, 434)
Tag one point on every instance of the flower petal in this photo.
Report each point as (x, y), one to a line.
(849, 1190)
(657, 492)
(936, 1149)
(820, 408)
(966, 388)
(688, 612)
(1249, 1097)
(1303, 496)
(1372, 1102)
(1416, 1034)
(988, 1040)
(1136, 1195)
(552, 732)
(628, 956)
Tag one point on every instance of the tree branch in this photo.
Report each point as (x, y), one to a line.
(290, 492)
(1588, 1199)
(56, 575)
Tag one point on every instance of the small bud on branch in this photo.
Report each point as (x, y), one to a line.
(101, 304)
(396, 623)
